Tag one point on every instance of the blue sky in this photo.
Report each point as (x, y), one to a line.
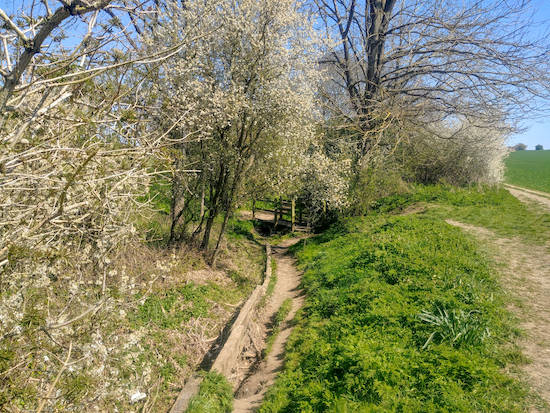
(539, 130)
(538, 134)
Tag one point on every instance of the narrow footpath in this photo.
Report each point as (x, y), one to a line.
(260, 377)
(526, 275)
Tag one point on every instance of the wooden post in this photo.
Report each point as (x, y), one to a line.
(253, 208)
(293, 215)
(281, 208)
(300, 208)
(275, 210)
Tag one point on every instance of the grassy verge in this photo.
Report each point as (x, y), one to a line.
(185, 310)
(277, 238)
(271, 285)
(403, 314)
(529, 169)
(493, 208)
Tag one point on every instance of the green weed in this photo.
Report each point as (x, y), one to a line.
(75, 386)
(271, 285)
(273, 266)
(455, 327)
(237, 229)
(278, 319)
(282, 312)
(172, 308)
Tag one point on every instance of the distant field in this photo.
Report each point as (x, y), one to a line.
(529, 169)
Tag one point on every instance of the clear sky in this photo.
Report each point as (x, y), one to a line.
(539, 131)
(538, 134)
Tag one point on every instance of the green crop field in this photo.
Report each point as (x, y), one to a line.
(529, 169)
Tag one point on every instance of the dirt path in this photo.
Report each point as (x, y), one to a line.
(526, 275)
(252, 391)
(529, 195)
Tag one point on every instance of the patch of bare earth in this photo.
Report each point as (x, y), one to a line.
(253, 376)
(526, 275)
(529, 195)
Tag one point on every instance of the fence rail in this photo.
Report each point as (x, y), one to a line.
(295, 210)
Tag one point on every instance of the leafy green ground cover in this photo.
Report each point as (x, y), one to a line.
(529, 169)
(493, 208)
(278, 319)
(403, 314)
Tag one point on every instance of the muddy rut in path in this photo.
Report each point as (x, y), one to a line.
(252, 390)
(527, 276)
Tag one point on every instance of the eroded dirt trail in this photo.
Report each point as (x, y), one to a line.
(526, 275)
(529, 195)
(252, 391)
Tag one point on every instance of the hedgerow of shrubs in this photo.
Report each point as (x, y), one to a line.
(403, 314)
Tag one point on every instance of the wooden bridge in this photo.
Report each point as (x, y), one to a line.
(291, 214)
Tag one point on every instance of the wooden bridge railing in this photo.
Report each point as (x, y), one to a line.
(299, 215)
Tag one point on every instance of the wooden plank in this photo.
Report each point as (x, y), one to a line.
(231, 350)
(190, 389)
(227, 357)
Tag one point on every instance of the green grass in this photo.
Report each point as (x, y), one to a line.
(529, 169)
(237, 230)
(493, 208)
(282, 312)
(271, 285)
(215, 395)
(172, 308)
(403, 314)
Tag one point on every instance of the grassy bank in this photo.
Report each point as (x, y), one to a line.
(157, 312)
(529, 169)
(403, 314)
(492, 208)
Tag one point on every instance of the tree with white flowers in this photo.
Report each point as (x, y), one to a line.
(251, 81)
(76, 151)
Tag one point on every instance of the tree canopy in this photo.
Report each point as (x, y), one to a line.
(419, 63)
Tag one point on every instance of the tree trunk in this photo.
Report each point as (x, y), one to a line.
(216, 196)
(209, 222)
(222, 232)
(240, 173)
(177, 202)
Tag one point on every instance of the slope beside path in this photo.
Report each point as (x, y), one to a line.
(526, 275)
